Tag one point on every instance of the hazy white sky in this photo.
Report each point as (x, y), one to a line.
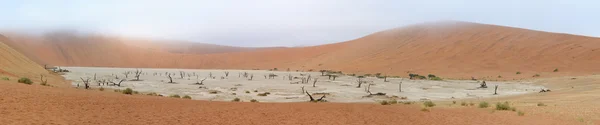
(287, 22)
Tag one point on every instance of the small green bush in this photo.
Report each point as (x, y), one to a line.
(436, 78)
(117, 90)
(541, 104)
(101, 89)
(136, 92)
(502, 106)
(25, 81)
(175, 96)
(453, 102)
(555, 70)
(536, 75)
(128, 91)
(384, 102)
(428, 104)
(187, 97)
(471, 104)
(518, 73)
(213, 92)
(5, 78)
(484, 105)
(247, 91)
(236, 100)
(393, 102)
(152, 94)
(253, 100)
(521, 113)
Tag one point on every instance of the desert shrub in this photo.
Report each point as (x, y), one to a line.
(499, 76)
(555, 70)
(521, 113)
(463, 104)
(247, 91)
(536, 75)
(187, 97)
(518, 73)
(128, 91)
(274, 69)
(253, 100)
(213, 92)
(436, 78)
(117, 90)
(404, 98)
(367, 75)
(484, 105)
(351, 74)
(406, 102)
(236, 100)
(431, 76)
(25, 81)
(513, 109)
(255, 90)
(471, 104)
(136, 92)
(541, 104)
(101, 89)
(5, 78)
(453, 102)
(262, 94)
(393, 102)
(425, 109)
(175, 96)
(384, 102)
(502, 106)
(152, 94)
(428, 104)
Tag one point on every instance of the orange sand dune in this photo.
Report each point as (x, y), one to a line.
(447, 49)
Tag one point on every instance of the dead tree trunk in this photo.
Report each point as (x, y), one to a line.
(385, 79)
(201, 82)
(251, 77)
(315, 82)
(313, 99)
(303, 89)
(496, 90)
(226, 74)
(86, 82)
(170, 78)
(126, 74)
(94, 76)
(119, 85)
(137, 74)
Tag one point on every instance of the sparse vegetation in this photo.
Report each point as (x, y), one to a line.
(436, 78)
(101, 89)
(5, 78)
(152, 94)
(425, 109)
(187, 97)
(407, 102)
(471, 104)
(253, 100)
(484, 105)
(428, 104)
(453, 102)
(541, 104)
(393, 102)
(136, 92)
(536, 75)
(25, 81)
(463, 104)
(247, 91)
(521, 113)
(263, 94)
(555, 70)
(384, 102)
(175, 96)
(503, 106)
(128, 91)
(236, 100)
(518, 73)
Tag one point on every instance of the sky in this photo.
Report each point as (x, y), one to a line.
(262, 23)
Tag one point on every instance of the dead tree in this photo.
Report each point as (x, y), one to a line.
(119, 84)
(322, 72)
(44, 82)
(483, 85)
(496, 90)
(251, 77)
(210, 75)
(86, 82)
(308, 79)
(127, 74)
(226, 74)
(385, 78)
(400, 86)
(170, 78)
(360, 82)
(94, 76)
(368, 89)
(200, 82)
(313, 99)
(181, 74)
(290, 77)
(334, 76)
(302, 89)
(137, 74)
(315, 82)
(272, 76)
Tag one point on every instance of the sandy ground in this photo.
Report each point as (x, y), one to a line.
(34, 104)
(343, 89)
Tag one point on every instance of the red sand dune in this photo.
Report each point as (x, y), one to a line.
(447, 49)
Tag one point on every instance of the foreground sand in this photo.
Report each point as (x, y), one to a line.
(35, 104)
